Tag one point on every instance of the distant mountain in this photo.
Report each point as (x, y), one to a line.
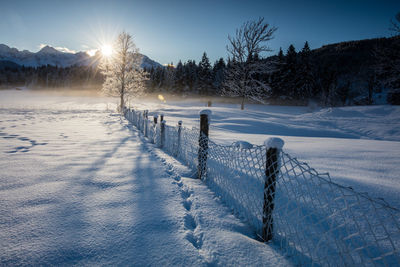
(345, 73)
(363, 62)
(51, 56)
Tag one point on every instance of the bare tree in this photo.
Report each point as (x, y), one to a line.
(395, 24)
(243, 77)
(123, 76)
(387, 58)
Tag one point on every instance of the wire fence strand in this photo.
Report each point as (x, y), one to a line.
(315, 220)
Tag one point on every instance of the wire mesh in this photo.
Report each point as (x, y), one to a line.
(314, 220)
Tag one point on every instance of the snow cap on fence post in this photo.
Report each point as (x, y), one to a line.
(273, 147)
(274, 142)
(242, 145)
(205, 116)
(206, 112)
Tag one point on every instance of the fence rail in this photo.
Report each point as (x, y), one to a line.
(304, 212)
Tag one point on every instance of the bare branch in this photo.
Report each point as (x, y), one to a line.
(243, 75)
(395, 25)
(123, 76)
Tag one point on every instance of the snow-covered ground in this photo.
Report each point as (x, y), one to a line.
(79, 186)
(358, 146)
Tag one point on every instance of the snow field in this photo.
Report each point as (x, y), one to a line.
(359, 146)
(77, 187)
(211, 227)
(315, 220)
(70, 191)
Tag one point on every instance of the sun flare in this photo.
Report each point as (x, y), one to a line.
(106, 50)
(161, 98)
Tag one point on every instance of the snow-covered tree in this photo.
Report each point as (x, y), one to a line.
(123, 76)
(242, 76)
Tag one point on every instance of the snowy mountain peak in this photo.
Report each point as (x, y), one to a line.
(4, 48)
(49, 50)
(50, 56)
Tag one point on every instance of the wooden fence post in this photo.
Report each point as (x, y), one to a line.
(203, 142)
(274, 146)
(162, 132)
(154, 129)
(178, 141)
(139, 120)
(146, 122)
(143, 119)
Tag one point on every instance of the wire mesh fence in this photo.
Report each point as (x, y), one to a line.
(307, 215)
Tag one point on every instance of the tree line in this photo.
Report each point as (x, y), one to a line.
(351, 75)
(48, 76)
(346, 73)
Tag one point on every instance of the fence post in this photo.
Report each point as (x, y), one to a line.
(274, 146)
(143, 119)
(138, 120)
(154, 128)
(203, 142)
(162, 132)
(178, 141)
(146, 122)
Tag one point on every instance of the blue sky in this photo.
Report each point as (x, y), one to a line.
(167, 31)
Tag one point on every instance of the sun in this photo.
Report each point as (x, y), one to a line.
(106, 50)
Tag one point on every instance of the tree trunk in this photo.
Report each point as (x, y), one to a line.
(122, 103)
(242, 105)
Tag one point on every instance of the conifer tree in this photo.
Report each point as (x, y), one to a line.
(305, 75)
(218, 75)
(280, 55)
(179, 77)
(204, 75)
(287, 80)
